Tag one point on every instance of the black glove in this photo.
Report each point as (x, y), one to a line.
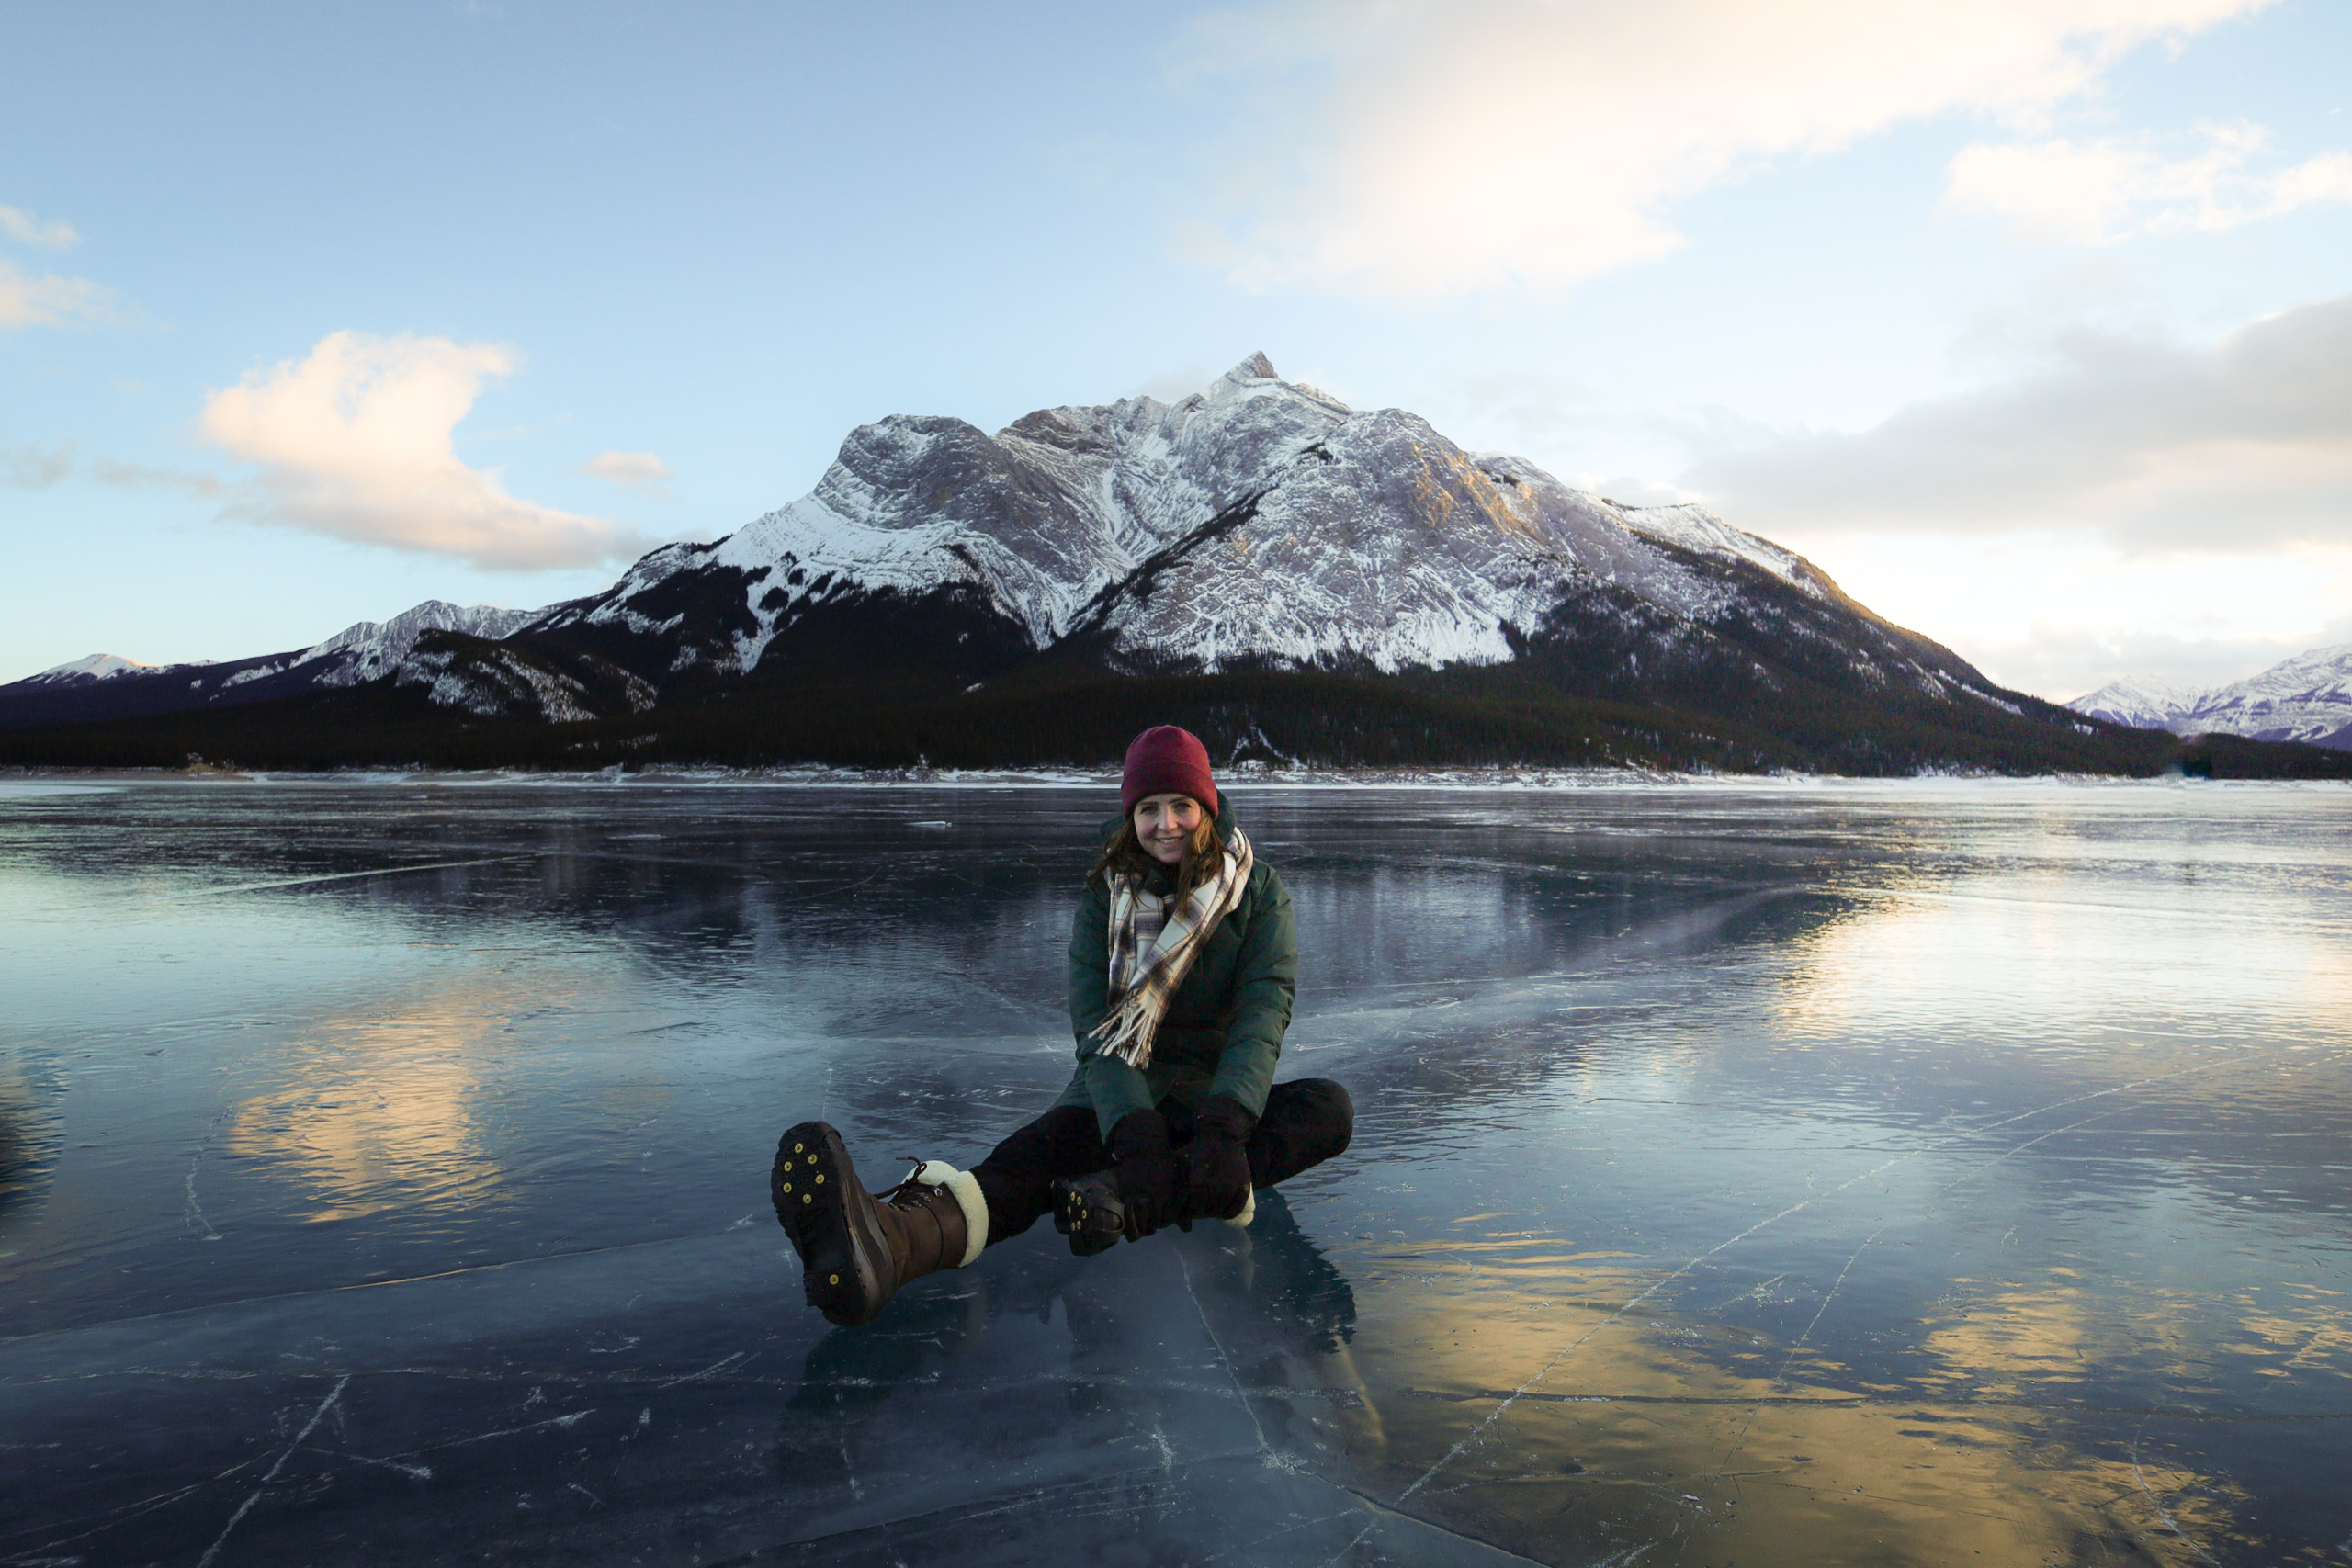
(1145, 1170)
(1218, 1160)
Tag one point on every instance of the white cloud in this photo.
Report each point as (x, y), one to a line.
(49, 301)
(36, 467)
(630, 470)
(1454, 144)
(2243, 447)
(355, 442)
(2062, 613)
(1175, 386)
(2066, 660)
(2094, 192)
(2121, 507)
(24, 228)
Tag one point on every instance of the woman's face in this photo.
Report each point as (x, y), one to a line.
(1165, 824)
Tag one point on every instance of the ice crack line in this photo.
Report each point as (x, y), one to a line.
(214, 1552)
(1380, 1511)
(328, 876)
(849, 1468)
(111, 1516)
(710, 1371)
(1780, 1379)
(2162, 1512)
(1265, 1449)
(572, 1420)
(192, 1213)
(1478, 1432)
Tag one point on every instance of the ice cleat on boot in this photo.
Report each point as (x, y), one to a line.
(857, 1250)
(1087, 1210)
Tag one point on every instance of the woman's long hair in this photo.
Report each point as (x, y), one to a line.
(1124, 854)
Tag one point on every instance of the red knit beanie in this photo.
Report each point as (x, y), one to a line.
(1167, 761)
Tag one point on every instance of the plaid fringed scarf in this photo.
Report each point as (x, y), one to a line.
(1152, 950)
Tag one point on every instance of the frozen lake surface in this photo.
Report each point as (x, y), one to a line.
(1757, 1175)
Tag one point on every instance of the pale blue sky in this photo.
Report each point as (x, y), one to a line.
(1966, 298)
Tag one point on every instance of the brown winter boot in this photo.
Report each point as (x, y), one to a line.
(857, 1250)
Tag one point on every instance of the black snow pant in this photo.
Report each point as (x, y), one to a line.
(1305, 1122)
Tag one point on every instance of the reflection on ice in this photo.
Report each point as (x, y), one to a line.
(1770, 1177)
(402, 1137)
(28, 1135)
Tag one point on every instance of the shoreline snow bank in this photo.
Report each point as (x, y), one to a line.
(26, 783)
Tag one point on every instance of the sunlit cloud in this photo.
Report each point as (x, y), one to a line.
(2062, 613)
(26, 229)
(2240, 447)
(49, 301)
(2042, 525)
(630, 470)
(2099, 191)
(355, 442)
(1444, 145)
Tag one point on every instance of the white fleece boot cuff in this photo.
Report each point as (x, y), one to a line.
(939, 1173)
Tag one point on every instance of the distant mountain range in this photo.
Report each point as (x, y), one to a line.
(1295, 579)
(2306, 698)
(106, 685)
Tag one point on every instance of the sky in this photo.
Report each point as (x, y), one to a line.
(2027, 321)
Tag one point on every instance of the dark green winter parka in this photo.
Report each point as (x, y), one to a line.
(1223, 1030)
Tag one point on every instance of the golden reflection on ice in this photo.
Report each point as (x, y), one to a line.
(368, 1145)
(2011, 951)
(1601, 1432)
(384, 1111)
(28, 1136)
(2009, 1338)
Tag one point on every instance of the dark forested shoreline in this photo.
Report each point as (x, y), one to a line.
(1475, 718)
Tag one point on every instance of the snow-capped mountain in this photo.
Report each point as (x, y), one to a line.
(1280, 526)
(373, 648)
(1258, 531)
(356, 654)
(1258, 525)
(80, 671)
(2307, 698)
(2143, 701)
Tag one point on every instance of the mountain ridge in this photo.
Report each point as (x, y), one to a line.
(1336, 583)
(363, 651)
(2307, 698)
(1285, 529)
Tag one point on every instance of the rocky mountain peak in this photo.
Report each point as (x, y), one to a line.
(1257, 368)
(2308, 698)
(1261, 524)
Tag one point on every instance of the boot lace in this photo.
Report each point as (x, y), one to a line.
(909, 1183)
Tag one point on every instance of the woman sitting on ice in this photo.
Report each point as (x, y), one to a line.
(1183, 965)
